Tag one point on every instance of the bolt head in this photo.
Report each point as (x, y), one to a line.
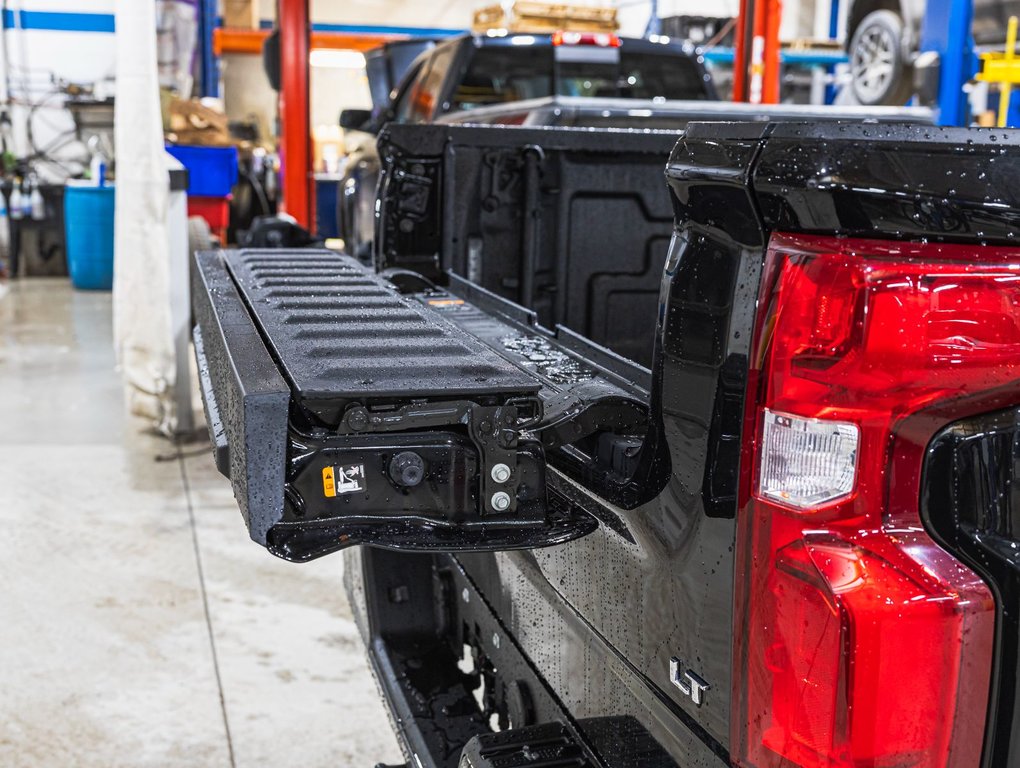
(407, 469)
(357, 419)
(500, 501)
(500, 473)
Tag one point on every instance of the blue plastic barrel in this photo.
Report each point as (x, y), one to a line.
(88, 226)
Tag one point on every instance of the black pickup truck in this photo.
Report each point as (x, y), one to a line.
(716, 470)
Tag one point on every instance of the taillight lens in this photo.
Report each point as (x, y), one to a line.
(601, 39)
(860, 642)
(806, 462)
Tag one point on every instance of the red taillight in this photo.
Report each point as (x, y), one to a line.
(860, 642)
(602, 39)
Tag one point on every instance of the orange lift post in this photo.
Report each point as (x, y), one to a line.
(297, 38)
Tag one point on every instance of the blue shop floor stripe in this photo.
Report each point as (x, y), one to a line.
(59, 21)
(374, 29)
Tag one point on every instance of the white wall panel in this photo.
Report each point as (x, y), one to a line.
(66, 6)
(797, 21)
(407, 13)
(36, 56)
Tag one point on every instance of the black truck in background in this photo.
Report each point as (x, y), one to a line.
(455, 77)
(716, 470)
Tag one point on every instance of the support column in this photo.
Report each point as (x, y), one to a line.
(295, 138)
(743, 37)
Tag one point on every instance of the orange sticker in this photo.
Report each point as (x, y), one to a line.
(328, 483)
(445, 302)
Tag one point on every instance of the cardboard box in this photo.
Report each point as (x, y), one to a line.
(541, 18)
(241, 14)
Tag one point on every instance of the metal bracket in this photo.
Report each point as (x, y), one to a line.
(494, 430)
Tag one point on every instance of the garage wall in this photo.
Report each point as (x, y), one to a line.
(406, 13)
(798, 15)
(246, 89)
(36, 54)
(246, 92)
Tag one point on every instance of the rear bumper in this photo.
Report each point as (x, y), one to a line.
(429, 698)
(607, 709)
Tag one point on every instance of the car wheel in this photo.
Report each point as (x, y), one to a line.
(881, 76)
(199, 235)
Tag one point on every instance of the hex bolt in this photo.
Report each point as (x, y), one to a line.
(495, 639)
(500, 473)
(501, 501)
(466, 595)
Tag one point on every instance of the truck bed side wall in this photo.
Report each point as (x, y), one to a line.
(571, 223)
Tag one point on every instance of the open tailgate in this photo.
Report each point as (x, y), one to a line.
(344, 412)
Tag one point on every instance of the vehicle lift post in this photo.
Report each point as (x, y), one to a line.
(742, 39)
(947, 43)
(295, 130)
(756, 63)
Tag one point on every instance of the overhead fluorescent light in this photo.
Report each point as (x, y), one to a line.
(336, 59)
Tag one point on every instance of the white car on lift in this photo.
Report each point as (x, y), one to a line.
(884, 36)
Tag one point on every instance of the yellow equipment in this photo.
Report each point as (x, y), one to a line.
(1004, 69)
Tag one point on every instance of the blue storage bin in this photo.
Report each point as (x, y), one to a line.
(212, 171)
(88, 227)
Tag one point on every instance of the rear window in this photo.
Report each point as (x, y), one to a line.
(635, 76)
(609, 120)
(497, 74)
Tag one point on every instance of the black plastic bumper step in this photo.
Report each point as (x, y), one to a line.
(550, 745)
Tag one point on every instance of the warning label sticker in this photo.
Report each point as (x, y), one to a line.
(340, 480)
(328, 483)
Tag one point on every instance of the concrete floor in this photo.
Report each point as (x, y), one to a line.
(139, 626)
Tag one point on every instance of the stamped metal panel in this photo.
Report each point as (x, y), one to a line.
(338, 331)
